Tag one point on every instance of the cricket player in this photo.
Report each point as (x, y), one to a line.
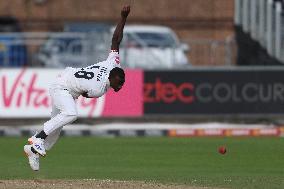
(90, 82)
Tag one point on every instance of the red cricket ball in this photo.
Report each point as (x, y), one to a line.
(222, 150)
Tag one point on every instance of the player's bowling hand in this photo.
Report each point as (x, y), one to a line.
(125, 11)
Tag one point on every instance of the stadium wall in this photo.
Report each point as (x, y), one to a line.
(206, 26)
(210, 19)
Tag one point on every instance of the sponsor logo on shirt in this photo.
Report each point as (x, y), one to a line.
(102, 72)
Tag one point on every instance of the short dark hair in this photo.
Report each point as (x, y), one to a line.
(117, 72)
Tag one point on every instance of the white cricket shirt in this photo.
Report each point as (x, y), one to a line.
(92, 79)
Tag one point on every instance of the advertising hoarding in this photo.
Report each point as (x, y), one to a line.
(24, 93)
(214, 92)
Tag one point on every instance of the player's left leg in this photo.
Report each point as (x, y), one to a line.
(32, 157)
(68, 113)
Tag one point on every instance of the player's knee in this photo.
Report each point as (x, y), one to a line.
(70, 116)
(73, 117)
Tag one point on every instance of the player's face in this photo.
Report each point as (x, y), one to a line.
(117, 83)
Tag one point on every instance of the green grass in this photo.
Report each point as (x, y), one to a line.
(249, 162)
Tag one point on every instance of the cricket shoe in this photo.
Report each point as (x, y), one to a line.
(38, 145)
(32, 157)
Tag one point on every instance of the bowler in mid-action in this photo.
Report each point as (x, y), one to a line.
(91, 82)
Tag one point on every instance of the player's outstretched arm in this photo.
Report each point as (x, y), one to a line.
(118, 32)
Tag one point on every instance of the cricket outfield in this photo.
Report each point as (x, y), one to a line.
(145, 162)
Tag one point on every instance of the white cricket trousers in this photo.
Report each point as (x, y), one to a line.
(64, 111)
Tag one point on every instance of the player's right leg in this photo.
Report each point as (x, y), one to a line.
(52, 138)
(63, 101)
(32, 155)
